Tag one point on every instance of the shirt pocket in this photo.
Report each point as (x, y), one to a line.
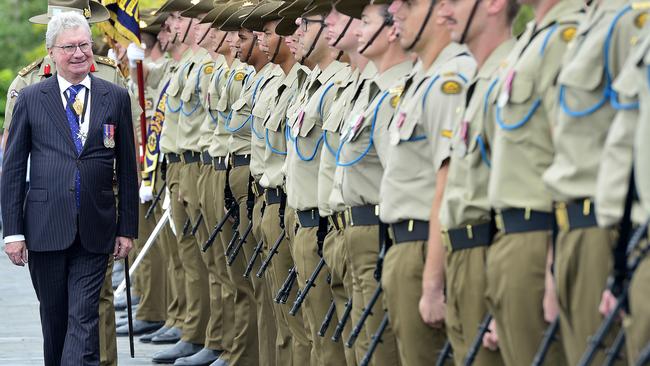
(308, 123)
(522, 105)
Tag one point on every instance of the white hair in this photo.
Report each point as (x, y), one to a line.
(64, 21)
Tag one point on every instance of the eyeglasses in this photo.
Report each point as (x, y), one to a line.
(305, 23)
(72, 48)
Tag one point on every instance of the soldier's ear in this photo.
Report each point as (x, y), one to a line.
(393, 34)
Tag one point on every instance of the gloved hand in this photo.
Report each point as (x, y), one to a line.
(146, 192)
(134, 53)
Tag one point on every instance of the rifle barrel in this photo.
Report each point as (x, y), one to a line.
(272, 253)
(251, 263)
(549, 337)
(367, 311)
(196, 226)
(217, 229)
(328, 319)
(308, 285)
(445, 353)
(155, 201)
(240, 244)
(483, 328)
(376, 338)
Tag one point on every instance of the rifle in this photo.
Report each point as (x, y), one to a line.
(445, 353)
(232, 212)
(233, 240)
(327, 320)
(549, 337)
(644, 356)
(250, 204)
(613, 351)
(367, 311)
(231, 258)
(308, 285)
(251, 263)
(155, 201)
(483, 328)
(186, 226)
(195, 228)
(376, 338)
(272, 253)
(344, 319)
(285, 290)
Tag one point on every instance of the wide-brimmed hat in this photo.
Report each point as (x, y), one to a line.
(202, 7)
(217, 7)
(290, 11)
(317, 7)
(235, 20)
(171, 6)
(265, 12)
(93, 11)
(152, 24)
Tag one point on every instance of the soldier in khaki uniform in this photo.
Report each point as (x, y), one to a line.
(587, 109)
(464, 214)
(419, 137)
(520, 290)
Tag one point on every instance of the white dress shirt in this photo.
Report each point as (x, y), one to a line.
(83, 126)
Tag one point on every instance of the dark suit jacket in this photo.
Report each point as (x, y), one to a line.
(47, 216)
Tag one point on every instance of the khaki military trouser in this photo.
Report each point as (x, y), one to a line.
(466, 305)
(150, 274)
(318, 300)
(293, 347)
(417, 343)
(219, 332)
(637, 324)
(245, 347)
(583, 260)
(195, 273)
(516, 269)
(107, 337)
(175, 284)
(336, 256)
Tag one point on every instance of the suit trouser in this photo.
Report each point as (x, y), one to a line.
(637, 326)
(68, 284)
(151, 273)
(293, 347)
(583, 260)
(195, 273)
(516, 270)
(107, 336)
(417, 343)
(219, 333)
(363, 250)
(466, 305)
(318, 300)
(336, 256)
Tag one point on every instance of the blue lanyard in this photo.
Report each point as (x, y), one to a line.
(250, 116)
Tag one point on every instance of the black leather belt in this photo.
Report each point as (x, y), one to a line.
(190, 157)
(366, 215)
(409, 230)
(240, 160)
(337, 220)
(308, 218)
(173, 158)
(273, 195)
(520, 220)
(258, 190)
(469, 237)
(219, 163)
(577, 214)
(206, 159)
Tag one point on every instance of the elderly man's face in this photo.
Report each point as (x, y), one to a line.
(72, 66)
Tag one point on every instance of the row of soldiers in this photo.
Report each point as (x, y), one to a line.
(377, 178)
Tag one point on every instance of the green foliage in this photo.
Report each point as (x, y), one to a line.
(525, 15)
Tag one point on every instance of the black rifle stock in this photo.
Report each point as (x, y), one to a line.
(287, 285)
(367, 311)
(217, 229)
(272, 253)
(251, 263)
(155, 201)
(328, 319)
(376, 339)
(308, 285)
(483, 328)
(547, 340)
(445, 353)
(344, 319)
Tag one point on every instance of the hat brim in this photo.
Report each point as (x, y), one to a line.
(263, 13)
(98, 14)
(174, 5)
(286, 27)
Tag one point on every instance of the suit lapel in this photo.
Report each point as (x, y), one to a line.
(53, 103)
(97, 109)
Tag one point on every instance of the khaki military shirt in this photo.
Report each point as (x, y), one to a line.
(192, 113)
(642, 145)
(223, 93)
(465, 201)
(365, 141)
(210, 118)
(262, 108)
(314, 106)
(275, 126)
(586, 113)
(525, 108)
(178, 78)
(420, 134)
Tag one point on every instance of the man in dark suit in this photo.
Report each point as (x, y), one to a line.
(78, 132)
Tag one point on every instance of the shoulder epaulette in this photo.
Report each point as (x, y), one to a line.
(25, 70)
(105, 60)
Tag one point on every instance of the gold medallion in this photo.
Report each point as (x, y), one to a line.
(78, 106)
(451, 87)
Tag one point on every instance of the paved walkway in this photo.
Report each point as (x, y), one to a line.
(20, 330)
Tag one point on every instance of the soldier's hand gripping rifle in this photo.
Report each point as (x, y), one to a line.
(547, 340)
(376, 339)
(196, 226)
(483, 328)
(344, 319)
(445, 353)
(287, 285)
(276, 245)
(155, 201)
(328, 319)
(320, 238)
(250, 204)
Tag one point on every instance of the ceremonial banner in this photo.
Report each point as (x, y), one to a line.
(152, 149)
(124, 25)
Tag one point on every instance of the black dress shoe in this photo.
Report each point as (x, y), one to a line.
(139, 327)
(180, 349)
(147, 337)
(173, 335)
(219, 362)
(202, 358)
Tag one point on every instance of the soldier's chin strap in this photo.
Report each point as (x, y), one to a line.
(221, 42)
(277, 50)
(250, 50)
(470, 19)
(203, 37)
(388, 21)
(313, 44)
(187, 31)
(345, 30)
(424, 25)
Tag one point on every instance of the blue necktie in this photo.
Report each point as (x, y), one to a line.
(73, 121)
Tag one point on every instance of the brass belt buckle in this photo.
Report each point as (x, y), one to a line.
(562, 216)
